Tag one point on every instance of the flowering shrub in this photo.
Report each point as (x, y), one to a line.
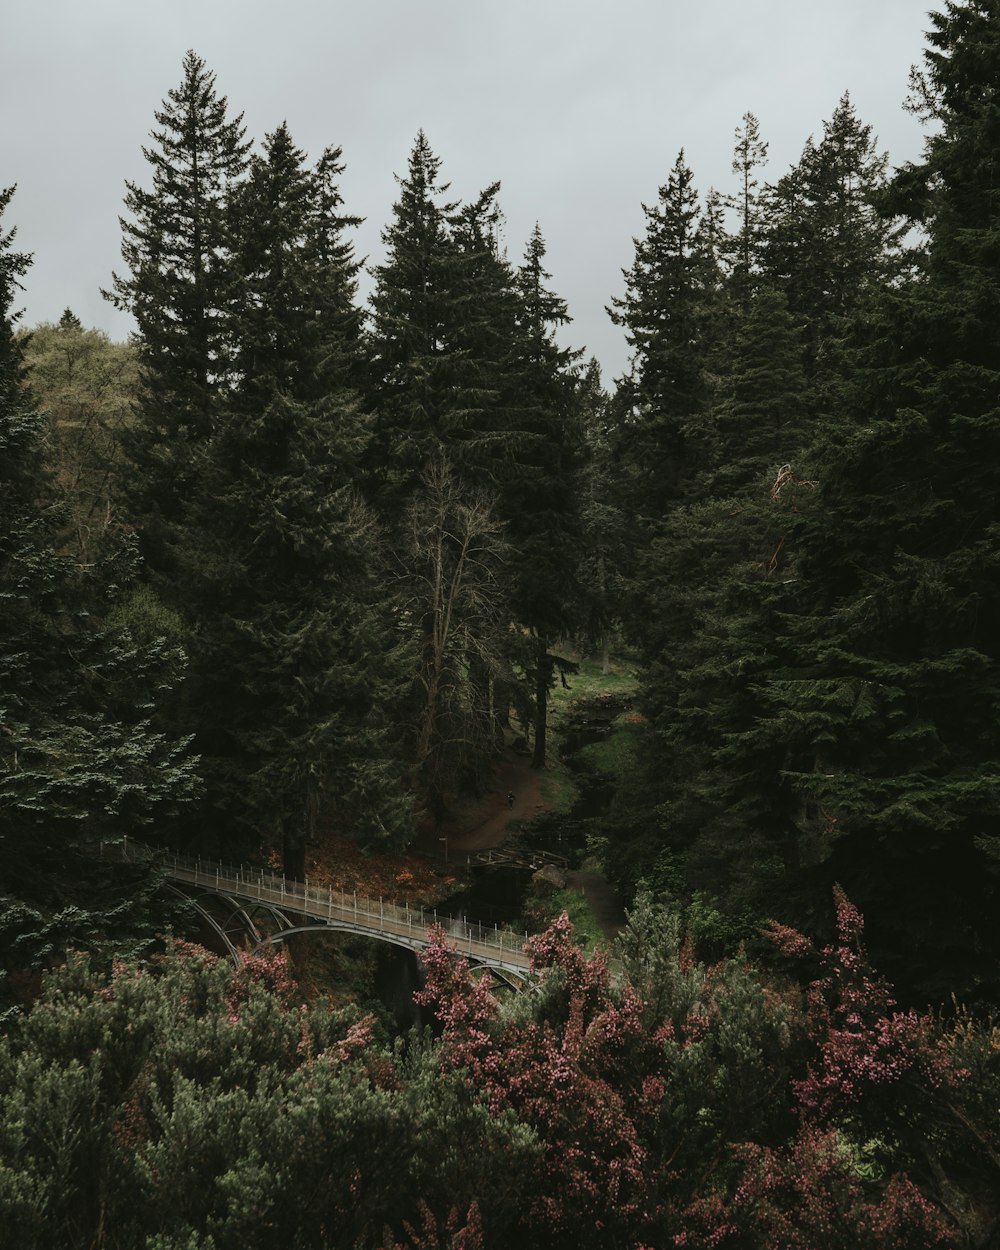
(724, 1116)
(457, 1234)
(670, 1104)
(578, 1071)
(863, 1044)
(810, 1196)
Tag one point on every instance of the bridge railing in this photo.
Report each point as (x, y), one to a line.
(501, 946)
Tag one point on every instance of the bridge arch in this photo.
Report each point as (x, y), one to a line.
(506, 976)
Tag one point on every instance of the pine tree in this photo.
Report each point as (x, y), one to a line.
(541, 504)
(604, 532)
(293, 656)
(705, 791)
(413, 323)
(759, 419)
(901, 645)
(749, 155)
(180, 288)
(827, 247)
(664, 314)
(450, 434)
(850, 736)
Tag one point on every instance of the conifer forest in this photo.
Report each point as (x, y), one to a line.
(298, 580)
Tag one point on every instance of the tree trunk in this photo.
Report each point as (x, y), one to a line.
(543, 678)
(501, 708)
(293, 855)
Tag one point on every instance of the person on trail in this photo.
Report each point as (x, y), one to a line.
(510, 800)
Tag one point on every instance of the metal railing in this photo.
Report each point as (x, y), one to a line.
(407, 926)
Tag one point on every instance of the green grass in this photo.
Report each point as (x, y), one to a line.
(585, 925)
(615, 754)
(558, 788)
(590, 684)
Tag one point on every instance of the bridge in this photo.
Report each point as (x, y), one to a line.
(251, 894)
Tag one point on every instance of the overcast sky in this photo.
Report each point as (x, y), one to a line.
(578, 106)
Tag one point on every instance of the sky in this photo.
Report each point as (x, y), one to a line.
(578, 107)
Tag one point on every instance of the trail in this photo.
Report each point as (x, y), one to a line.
(514, 773)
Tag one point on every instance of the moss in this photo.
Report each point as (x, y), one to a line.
(558, 788)
(590, 684)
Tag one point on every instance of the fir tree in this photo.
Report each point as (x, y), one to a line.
(663, 312)
(827, 247)
(450, 432)
(541, 503)
(413, 320)
(901, 645)
(293, 656)
(180, 288)
(749, 155)
(604, 532)
(849, 735)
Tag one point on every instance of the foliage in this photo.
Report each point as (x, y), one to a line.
(815, 599)
(180, 286)
(613, 755)
(86, 386)
(542, 910)
(295, 665)
(673, 1103)
(81, 758)
(200, 1104)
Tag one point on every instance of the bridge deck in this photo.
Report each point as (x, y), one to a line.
(404, 926)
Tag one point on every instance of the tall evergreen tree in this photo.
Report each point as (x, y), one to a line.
(672, 315)
(449, 410)
(901, 645)
(705, 793)
(749, 155)
(541, 503)
(413, 321)
(867, 665)
(663, 312)
(828, 248)
(293, 656)
(604, 532)
(180, 286)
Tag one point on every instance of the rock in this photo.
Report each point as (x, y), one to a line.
(549, 879)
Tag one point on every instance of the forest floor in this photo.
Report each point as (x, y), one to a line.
(420, 875)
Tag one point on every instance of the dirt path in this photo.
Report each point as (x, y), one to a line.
(514, 773)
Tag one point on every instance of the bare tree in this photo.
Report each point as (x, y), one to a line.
(454, 571)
